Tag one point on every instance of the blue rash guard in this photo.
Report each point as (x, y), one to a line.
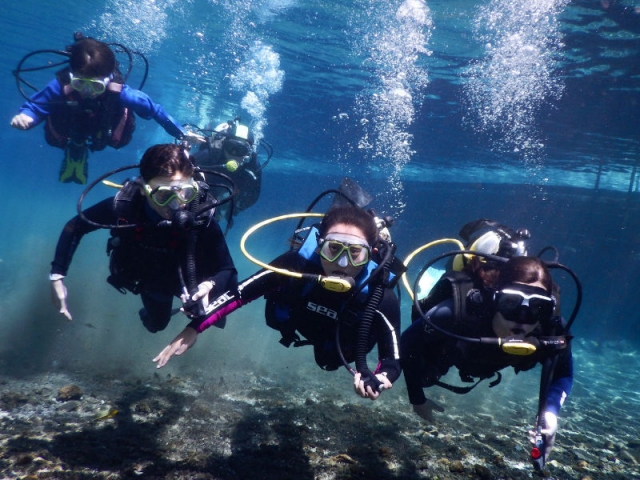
(427, 355)
(52, 99)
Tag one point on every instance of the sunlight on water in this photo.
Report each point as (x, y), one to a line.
(509, 86)
(393, 44)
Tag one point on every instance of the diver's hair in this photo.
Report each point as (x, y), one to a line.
(487, 272)
(92, 58)
(525, 270)
(350, 215)
(165, 160)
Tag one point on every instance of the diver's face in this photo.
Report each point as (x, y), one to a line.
(342, 265)
(506, 328)
(177, 180)
(89, 87)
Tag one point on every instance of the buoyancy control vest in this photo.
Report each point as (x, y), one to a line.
(98, 122)
(461, 288)
(146, 252)
(281, 304)
(472, 304)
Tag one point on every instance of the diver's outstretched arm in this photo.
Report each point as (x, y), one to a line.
(183, 342)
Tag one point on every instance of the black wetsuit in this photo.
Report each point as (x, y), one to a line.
(247, 178)
(297, 306)
(428, 354)
(145, 259)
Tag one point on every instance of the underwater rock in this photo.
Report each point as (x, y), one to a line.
(70, 406)
(456, 466)
(343, 458)
(69, 392)
(11, 400)
(24, 459)
(183, 430)
(581, 465)
(483, 472)
(142, 408)
(385, 452)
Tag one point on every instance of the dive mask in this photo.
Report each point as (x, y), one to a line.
(162, 195)
(524, 304)
(237, 148)
(333, 247)
(90, 87)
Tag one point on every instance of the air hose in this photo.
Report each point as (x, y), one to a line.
(364, 326)
(186, 220)
(364, 329)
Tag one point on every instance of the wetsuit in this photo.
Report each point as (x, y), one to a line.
(247, 178)
(297, 306)
(428, 354)
(145, 259)
(86, 120)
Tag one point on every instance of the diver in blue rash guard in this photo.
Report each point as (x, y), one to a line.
(88, 107)
(299, 307)
(520, 308)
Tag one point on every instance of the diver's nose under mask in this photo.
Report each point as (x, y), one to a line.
(343, 261)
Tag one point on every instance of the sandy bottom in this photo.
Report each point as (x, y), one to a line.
(254, 423)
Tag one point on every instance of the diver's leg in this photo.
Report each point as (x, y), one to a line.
(156, 313)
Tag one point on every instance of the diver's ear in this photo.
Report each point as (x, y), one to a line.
(319, 241)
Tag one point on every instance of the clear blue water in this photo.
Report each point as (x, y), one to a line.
(521, 111)
(524, 111)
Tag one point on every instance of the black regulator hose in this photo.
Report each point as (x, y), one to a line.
(380, 274)
(491, 340)
(362, 343)
(186, 221)
(320, 197)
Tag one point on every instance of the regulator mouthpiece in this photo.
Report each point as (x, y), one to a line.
(518, 346)
(337, 284)
(231, 166)
(183, 219)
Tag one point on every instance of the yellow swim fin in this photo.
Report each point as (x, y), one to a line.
(74, 165)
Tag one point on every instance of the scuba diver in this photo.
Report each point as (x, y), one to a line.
(230, 149)
(334, 291)
(466, 271)
(502, 314)
(164, 240)
(88, 106)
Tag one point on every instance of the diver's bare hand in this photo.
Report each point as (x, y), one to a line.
(194, 138)
(358, 385)
(22, 121)
(183, 342)
(59, 296)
